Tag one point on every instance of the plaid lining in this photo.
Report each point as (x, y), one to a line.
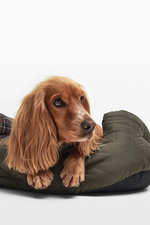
(5, 126)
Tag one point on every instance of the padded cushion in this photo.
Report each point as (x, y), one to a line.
(122, 163)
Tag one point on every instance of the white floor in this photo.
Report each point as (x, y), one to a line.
(22, 208)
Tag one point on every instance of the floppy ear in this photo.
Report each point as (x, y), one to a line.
(33, 139)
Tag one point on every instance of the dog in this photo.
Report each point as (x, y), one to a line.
(55, 113)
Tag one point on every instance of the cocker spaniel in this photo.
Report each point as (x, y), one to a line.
(55, 113)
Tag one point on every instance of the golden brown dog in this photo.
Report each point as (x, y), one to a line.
(57, 111)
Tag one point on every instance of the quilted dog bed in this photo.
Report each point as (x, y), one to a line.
(121, 164)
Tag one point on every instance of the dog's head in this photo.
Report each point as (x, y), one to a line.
(68, 105)
(56, 111)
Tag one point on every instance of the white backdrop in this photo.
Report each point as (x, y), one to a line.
(114, 77)
(105, 46)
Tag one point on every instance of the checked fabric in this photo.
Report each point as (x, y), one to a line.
(5, 126)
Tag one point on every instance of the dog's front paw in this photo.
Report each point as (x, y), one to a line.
(72, 177)
(41, 180)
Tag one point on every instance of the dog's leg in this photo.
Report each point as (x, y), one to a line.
(73, 172)
(41, 180)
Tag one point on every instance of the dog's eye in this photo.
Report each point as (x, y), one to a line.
(82, 99)
(58, 102)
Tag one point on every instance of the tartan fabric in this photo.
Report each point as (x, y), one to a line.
(5, 126)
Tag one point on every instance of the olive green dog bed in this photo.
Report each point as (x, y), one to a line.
(122, 163)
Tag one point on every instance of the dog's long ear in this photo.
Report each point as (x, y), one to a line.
(33, 139)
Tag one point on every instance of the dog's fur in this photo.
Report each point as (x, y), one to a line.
(56, 111)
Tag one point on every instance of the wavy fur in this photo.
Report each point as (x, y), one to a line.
(39, 126)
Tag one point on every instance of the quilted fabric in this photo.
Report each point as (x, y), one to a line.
(121, 163)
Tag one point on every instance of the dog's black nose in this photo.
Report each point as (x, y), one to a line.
(88, 125)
